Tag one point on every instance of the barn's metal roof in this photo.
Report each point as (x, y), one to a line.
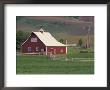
(47, 38)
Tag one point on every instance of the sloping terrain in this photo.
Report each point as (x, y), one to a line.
(54, 24)
(66, 27)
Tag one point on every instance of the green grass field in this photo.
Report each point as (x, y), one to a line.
(39, 64)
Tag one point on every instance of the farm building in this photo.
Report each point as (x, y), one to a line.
(42, 42)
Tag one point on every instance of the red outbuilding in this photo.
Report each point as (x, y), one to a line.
(42, 42)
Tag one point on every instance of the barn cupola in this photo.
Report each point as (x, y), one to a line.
(41, 30)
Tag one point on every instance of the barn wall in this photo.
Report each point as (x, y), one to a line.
(56, 49)
(33, 45)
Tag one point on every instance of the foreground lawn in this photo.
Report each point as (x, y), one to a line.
(43, 65)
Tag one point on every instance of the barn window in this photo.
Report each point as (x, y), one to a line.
(33, 39)
(29, 49)
(36, 48)
(61, 50)
(42, 50)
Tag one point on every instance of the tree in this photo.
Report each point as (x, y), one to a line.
(20, 38)
(19, 18)
(77, 17)
(61, 40)
(80, 42)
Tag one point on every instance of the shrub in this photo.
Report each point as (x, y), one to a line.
(84, 51)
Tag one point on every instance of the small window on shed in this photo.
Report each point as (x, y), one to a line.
(33, 39)
(29, 49)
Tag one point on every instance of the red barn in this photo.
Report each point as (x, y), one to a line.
(43, 42)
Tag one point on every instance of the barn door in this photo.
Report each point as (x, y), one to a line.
(53, 51)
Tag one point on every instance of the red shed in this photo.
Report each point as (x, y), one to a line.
(43, 42)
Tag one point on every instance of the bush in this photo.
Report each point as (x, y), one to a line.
(80, 42)
(84, 51)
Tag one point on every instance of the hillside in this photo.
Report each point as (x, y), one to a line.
(66, 27)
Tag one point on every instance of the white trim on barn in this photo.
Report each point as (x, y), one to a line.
(66, 49)
(46, 50)
(26, 40)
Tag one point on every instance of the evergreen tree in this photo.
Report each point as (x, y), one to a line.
(80, 42)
